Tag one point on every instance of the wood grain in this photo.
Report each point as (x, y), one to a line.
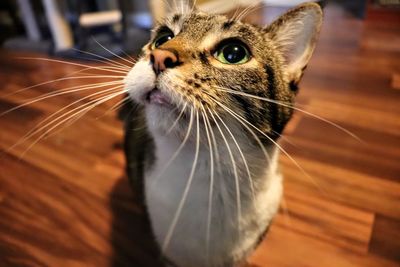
(396, 81)
(380, 244)
(66, 201)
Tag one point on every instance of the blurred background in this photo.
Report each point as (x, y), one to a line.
(56, 27)
(64, 197)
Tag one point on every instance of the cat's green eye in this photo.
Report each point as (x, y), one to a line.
(233, 52)
(163, 37)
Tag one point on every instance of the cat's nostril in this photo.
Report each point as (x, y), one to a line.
(163, 59)
(169, 63)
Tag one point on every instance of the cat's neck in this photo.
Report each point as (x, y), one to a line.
(233, 161)
(241, 207)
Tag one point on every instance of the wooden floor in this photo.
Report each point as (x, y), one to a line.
(66, 201)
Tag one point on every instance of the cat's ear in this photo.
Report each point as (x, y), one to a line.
(295, 34)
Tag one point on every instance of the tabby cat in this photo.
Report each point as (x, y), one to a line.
(213, 96)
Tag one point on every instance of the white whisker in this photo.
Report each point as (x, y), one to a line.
(65, 78)
(89, 87)
(112, 53)
(58, 93)
(172, 227)
(292, 107)
(246, 10)
(177, 119)
(267, 156)
(85, 110)
(178, 150)
(120, 66)
(234, 167)
(238, 117)
(241, 155)
(39, 126)
(251, 8)
(104, 59)
(211, 188)
(116, 106)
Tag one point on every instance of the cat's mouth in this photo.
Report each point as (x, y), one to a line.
(157, 97)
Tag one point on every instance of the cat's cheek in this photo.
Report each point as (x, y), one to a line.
(139, 81)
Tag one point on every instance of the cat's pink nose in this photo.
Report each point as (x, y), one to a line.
(163, 59)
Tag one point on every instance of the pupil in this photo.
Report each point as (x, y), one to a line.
(163, 39)
(234, 53)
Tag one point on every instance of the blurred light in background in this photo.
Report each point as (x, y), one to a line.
(62, 27)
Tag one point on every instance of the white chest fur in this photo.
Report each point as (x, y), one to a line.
(229, 240)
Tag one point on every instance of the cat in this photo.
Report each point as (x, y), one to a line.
(212, 97)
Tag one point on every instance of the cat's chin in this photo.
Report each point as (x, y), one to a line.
(162, 114)
(158, 98)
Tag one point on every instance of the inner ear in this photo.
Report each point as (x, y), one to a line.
(295, 34)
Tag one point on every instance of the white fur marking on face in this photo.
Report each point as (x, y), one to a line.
(140, 80)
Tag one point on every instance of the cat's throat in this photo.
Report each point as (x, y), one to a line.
(179, 206)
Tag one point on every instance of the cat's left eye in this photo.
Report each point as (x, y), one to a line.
(162, 37)
(232, 52)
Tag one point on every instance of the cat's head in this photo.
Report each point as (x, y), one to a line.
(210, 64)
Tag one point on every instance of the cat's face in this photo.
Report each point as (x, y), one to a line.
(209, 64)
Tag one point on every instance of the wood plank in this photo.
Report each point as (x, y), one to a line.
(378, 121)
(382, 245)
(44, 232)
(285, 248)
(324, 219)
(345, 186)
(330, 145)
(396, 81)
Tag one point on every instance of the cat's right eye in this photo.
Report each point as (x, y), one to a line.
(232, 52)
(162, 37)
